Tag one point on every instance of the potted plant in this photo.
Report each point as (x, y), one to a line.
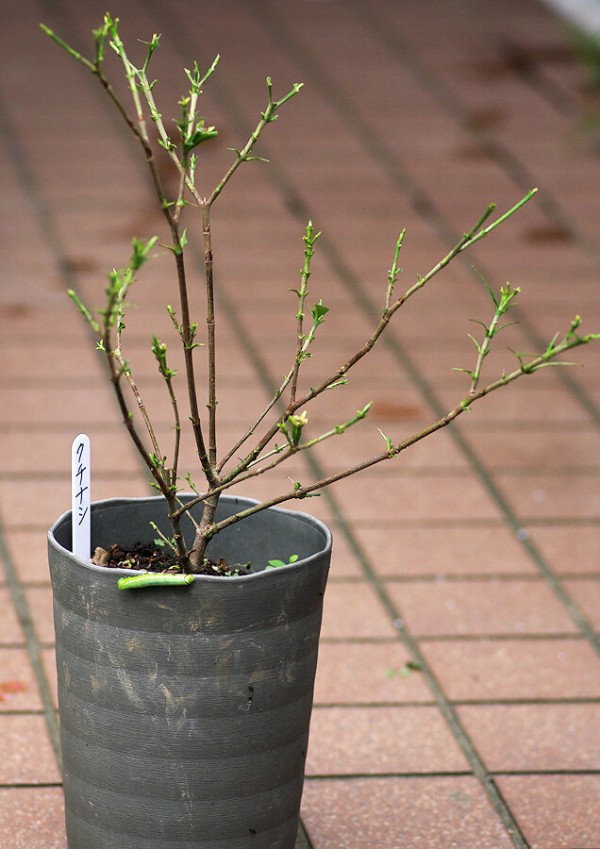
(186, 649)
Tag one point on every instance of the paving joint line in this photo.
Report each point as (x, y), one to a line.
(500, 637)
(414, 703)
(359, 776)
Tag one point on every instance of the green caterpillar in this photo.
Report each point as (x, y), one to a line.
(154, 579)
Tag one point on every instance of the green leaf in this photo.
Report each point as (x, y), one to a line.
(480, 348)
(198, 135)
(318, 312)
(84, 311)
(467, 371)
(141, 250)
(388, 441)
(343, 381)
(168, 144)
(276, 563)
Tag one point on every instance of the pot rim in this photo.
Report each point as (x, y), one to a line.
(302, 517)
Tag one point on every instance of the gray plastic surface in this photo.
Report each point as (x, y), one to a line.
(185, 711)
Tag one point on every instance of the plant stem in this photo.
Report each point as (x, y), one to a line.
(487, 230)
(177, 428)
(211, 337)
(309, 241)
(262, 457)
(188, 351)
(302, 344)
(301, 492)
(202, 537)
(474, 234)
(244, 155)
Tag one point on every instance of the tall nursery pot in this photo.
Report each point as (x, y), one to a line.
(184, 711)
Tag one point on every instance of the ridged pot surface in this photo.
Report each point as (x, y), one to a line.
(185, 711)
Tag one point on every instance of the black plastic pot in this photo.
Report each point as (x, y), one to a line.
(185, 710)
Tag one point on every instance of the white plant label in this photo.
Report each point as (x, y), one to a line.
(80, 496)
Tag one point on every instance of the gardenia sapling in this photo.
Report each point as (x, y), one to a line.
(286, 415)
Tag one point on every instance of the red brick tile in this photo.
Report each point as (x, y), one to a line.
(353, 611)
(59, 405)
(31, 818)
(28, 756)
(18, 689)
(45, 452)
(479, 608)
(561, 811)
(565, 496)
(569, 549)
(515, 669)
(75, 360)
(384, 740)
(29, 554)
(570, 448)
(544, 737)
(39, 601)
(344, 563)
(420, 813)
(391, 496)
(452, 550)
(367, 673)
(37, 504)
(10, 629)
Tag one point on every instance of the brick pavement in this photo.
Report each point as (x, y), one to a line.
(476, 559)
